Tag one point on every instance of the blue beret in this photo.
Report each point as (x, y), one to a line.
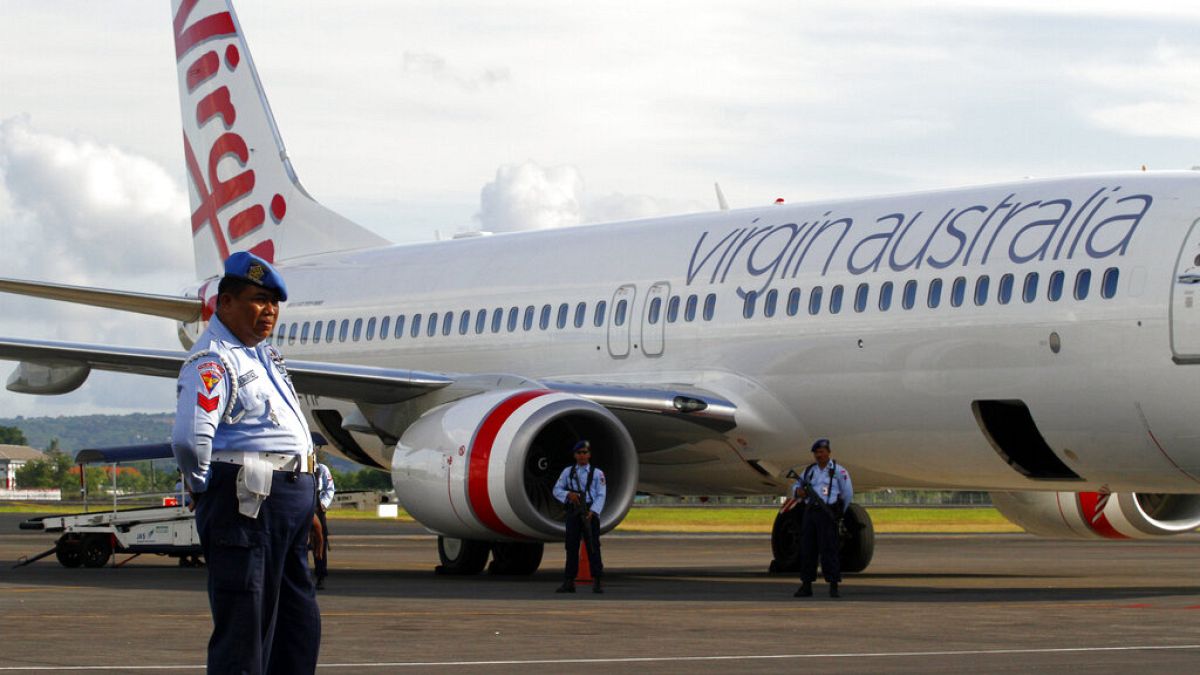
(820, 443)
(582, 445)
(249, 267)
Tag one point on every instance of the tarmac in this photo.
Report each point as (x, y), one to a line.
(673, 604)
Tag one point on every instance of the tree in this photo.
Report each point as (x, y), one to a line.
(12, 436)
(56, 470)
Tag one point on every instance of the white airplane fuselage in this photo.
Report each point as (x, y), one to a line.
(893, 388)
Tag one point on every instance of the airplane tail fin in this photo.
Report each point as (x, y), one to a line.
(245, 195)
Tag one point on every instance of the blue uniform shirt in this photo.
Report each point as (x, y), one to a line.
(325, 486)
(236, 398)
(574, 479)
(826, 490)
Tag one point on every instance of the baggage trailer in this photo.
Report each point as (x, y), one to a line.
(91, 538)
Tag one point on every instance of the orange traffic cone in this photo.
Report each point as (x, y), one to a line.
(584, 576)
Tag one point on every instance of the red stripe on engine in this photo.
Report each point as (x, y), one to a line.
(481, 453)
(1091, 508)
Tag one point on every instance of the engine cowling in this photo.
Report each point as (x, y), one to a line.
(1092, 515)
(484, 467)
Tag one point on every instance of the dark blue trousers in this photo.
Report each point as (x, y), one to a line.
(575, 531)
(264, 605)
(819, 532)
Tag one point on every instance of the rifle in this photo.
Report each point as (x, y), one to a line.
(810, 499)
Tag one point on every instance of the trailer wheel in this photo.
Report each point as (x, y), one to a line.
(68, 551)
(97, 549)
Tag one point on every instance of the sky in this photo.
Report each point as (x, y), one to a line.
(420, 120)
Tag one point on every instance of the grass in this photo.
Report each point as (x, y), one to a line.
(706, 519)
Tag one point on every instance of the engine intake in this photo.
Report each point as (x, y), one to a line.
(1091, 515)
(484, 467)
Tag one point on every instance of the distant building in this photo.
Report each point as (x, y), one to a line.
(13, 457)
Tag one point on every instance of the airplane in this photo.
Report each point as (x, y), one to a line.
(1034, 339)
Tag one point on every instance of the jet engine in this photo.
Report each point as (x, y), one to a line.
(484, 467)
(1091, 515)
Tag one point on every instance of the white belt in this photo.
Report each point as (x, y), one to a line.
(279, 461)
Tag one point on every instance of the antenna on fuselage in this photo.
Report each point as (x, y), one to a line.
(721, 203)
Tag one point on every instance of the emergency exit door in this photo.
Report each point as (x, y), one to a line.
(620, 321)
(1185, 301)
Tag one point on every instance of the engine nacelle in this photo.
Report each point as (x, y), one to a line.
(1091, 515)
(48, 378)
(484, 467)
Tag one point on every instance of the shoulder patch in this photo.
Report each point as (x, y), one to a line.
(602, 479)
(211, 374)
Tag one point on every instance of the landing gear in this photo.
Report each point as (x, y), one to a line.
(462, 556)
(516, 558)
(857, 540)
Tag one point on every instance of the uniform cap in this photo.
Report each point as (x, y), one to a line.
(253, 269)
(581, 445)
(820, 443)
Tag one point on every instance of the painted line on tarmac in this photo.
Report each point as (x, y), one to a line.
(654, 659)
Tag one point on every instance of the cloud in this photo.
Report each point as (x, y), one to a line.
(79, 212)
(436, 67)
(1156, 96)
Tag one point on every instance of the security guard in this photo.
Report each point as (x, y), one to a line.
(325, 491)
(826, 490)
(581, 488)
(246, 454)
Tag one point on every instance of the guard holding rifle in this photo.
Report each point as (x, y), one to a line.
(581, 488)
(825, 488)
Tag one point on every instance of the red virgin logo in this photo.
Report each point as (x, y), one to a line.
(214, 105)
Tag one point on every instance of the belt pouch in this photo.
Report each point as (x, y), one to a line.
(253, 484)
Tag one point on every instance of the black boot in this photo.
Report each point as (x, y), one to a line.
(833, 590)
(568, 586)
(805, 590)
(596, 587)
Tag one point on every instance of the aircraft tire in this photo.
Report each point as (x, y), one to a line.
(462, 556)
(785, 541)
(858, 544)
(97, 549)
(516, 558)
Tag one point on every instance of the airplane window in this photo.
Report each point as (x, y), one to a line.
(480, 321)
(527, 323)
(860, 297)
(793, 303)
(304, 333)
(654, 311)
(1054, 289)
(710, 306)
(357, 330)
(689, 311)
(814, 300)
(464, 322)
(885, 296)
(910, 294)
(935, 293)
(598, 320)
(748, 305)
(835, 299)
(292, 333)
(329, 328)
(384, 324)
(981, 290)
(1004, 295)
(431, 328)
(344, 330)
(1108, 285)
(544, 319)
(770, 303)
(580, 314)
(497, 319)
(619, 314)
(280, 331)
(415, 331)
(563, 309)
(399, 327)
(317, 332)
(447, 323)
(513, 313)
(1083, 283)
(957, 291)
(1029, 290)
(673, 309)
(371, 328)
